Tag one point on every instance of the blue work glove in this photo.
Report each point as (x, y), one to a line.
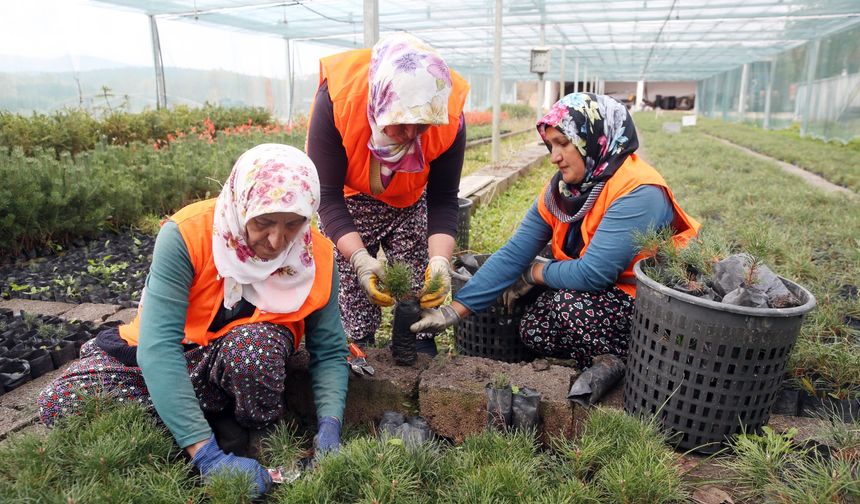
(210, 460)
(328, 436)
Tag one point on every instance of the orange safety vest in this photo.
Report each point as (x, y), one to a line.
(206, 296)
(346, 74)
(632, 174)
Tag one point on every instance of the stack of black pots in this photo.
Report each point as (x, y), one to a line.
(32, 345)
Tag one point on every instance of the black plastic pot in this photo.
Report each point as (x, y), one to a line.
(605, 371)
(406, 313)
(499, 404)
(19, 351)
(63, 352)
(40, 362)
(391, 420)
(79, 338)
(524, 409)
(787, 401)
(14, 373)
(827, 407)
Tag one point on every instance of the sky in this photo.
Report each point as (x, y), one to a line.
(73, 32)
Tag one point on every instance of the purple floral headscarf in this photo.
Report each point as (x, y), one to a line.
(408, 83)
(602, 130)
(266, 179)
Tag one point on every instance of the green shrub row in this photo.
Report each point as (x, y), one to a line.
(832, 160)
(518, 110)
(74, 131)
(45, 199)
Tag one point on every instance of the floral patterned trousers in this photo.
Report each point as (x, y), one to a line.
(578, 325)
(245, 368)
(402, 234)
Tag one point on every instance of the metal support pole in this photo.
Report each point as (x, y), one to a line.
(371, 22)
(700, 91)
(540, 89)
(160, 90)
(561, 92)
(640, 94)
(576, 76)
(497, 86)
(585, 80)
(806, 103)
(771, 76)
(289, 83)
(742, 93)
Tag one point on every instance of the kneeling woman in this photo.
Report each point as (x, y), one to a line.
(235, 284)
(589, 211)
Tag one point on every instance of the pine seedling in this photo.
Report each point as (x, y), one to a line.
(817, 479)
(31, 320)
(500, 381)
(284, 446)
(398, 280)
(230, 487)
(435, 283)
(761, 460)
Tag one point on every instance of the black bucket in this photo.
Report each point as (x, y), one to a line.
(707, 370)
(464, 220)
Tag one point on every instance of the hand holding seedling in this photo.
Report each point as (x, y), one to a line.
(211, 460)
(435, 320)
(437, 282)
(369, 271)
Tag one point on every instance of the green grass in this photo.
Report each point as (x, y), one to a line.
(474, 132)
(492, 225)
(834, 161)
(480, 155)
(803, 234)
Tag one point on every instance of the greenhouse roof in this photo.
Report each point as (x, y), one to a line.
(618, 39)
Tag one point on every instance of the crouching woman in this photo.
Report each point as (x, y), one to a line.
(235, 284)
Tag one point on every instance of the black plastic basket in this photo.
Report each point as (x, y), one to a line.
(492, 333)
(707, 370)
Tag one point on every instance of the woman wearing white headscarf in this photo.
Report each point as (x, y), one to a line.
(388, 137)
(234, 286)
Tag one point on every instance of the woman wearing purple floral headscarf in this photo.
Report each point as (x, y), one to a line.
(589, 211)
(388, 138)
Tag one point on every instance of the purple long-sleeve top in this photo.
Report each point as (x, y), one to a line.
(325, 148)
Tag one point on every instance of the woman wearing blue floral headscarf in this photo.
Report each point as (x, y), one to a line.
(589, 211)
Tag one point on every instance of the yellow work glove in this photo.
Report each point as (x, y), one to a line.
(437, 266)
(369, 270)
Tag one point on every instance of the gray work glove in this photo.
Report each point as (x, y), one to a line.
(522, 286)
(435, 320)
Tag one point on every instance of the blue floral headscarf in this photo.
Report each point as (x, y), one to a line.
(602, 130)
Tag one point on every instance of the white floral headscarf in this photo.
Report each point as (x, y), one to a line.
(408, 83)
(267, 178)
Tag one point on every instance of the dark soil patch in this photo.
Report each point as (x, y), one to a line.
(109, 270)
